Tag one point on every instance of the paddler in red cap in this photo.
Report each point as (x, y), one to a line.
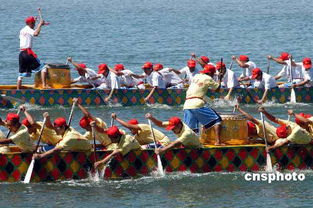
(28, 60)
(142, 132)
(107, 79)
(202, 60)
(125, 144)
(20, 135)
(255, 128)
(86, 75)
(185, 136)
(307, 72)
(49, 136)
(292, 78)
(287, 131)
(71, 140)
(171, 79)
(126, 77)
(303, 120)
(100, 126)
(228, 78)
(195, 111)
(244, 62)
(189, 71)
(264, 80)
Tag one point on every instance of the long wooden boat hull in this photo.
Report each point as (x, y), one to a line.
(77, 165)
(131, 97)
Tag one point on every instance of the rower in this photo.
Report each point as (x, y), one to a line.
(307, 73)
(100, 126)
(49, 136)
(262, 81)
(126, 78)
(244, 62)
(185, 136)
(255, 128)
(28, 60)
(125, 144)
(294, 77)
(71, 140)
(154, 79)
(20, 137)
(86, 75)
(172, 80)
(303, 120)
(107, 80)
(188, 71)
(228, 78)
(142, 132)
(287, 131)
(203, 60)
(194, 109)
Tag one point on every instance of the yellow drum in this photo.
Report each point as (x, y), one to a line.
(59, 76)
(234, 131)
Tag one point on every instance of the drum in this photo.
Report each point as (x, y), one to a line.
(59, 76)
(234, 131)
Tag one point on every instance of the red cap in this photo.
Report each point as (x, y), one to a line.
(133, 121)
(26, 123)
(113, 131)
(173, 121)
(304, 116)
(119, 67)
(256, 72)
(243, 58)
(282, 131)
(147, 65)
(284, 56)
(219, 65)
(84, 122)
(82, 65)
(208, 69)
(102, 68)
(12, 116)
(251, 128)
(157, 67)
(59, 122)
(30, 19)
(205, 59)
(307, 63)
(191, 63)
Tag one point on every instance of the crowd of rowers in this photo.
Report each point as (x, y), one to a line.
(60, 136)
(297, 74)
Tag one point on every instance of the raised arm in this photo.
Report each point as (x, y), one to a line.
(154, 120)
(277, 60)
(301, 118)
(249, 117)
(125, 124)
(48, 121)
(268, 116)
(240, 63)
(150, 94)
(70, 59)
(83, 109)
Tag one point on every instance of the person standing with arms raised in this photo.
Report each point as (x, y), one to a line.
(194, 109)
(28, 60)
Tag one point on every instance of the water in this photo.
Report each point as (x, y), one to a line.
(132, 32)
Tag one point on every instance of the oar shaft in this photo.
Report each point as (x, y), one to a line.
(93, 129)
(71, 114)
(9, 132)
(41, 132)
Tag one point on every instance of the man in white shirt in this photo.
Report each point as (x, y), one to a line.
(306, 66)
(86, 75)
(126, 78)
(267, 82)
(171, 79)
(189, 71)
(203, 60)
(228, 78)
(28, 60)
(106, 79)
(247, 66)
(294, 77)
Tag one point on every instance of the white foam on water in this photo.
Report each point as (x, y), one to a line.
(159, 106)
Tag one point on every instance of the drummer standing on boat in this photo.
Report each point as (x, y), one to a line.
(195, 111)
(28, 60)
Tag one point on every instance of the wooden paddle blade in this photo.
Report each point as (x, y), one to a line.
(293, 98)
(160, 167)
(269, 167)
(29, 172)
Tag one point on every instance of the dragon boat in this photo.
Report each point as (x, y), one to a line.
(78, 165)
(62, 92)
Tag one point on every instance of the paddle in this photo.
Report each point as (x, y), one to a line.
(71, 113)
(231, 64)
(32, 163)
(160, 167)
(40, 15)
(269, 167)
(93, 131)
(292, 92)
(268, 66)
